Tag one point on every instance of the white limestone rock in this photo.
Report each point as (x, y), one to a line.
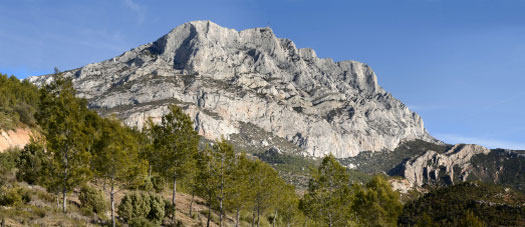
(432, 166)
(223, 77)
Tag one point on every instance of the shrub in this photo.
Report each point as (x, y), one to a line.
(138, 205)
(159, 183)
(92, 200)
(141, 222)
(134, 205)
(29, 163)
(14, 196)
(157, 211)
(156, 183)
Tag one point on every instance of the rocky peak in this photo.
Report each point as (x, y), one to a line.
(234, 82)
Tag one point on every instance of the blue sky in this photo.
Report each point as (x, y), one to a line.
(460, 64)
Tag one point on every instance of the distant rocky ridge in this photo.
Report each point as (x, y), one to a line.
(254, 87)
(422, 163)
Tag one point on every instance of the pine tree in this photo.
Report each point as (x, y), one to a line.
(264, 189)
(287, 208)
(117, 159)
(62, 118)
(207, 182)
(239, 192)
(378, 204)
(328, 199)
(223, 159)
(175, 144)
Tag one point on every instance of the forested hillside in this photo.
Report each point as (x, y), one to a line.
(18, 102)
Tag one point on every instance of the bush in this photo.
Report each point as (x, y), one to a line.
(156, 183)
(92, 200)
(157, 210)
(138, 205)
(134, 205)
(30, 162)
(14, 196)
(141, 222)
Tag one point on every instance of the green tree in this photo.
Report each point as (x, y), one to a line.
(116, 159)
(175, 143)
(30, 162)
(207, 182)
(62, 118)
(328, 198)
(378, 204)
(239, 192)
(287, 209)
(264, 180)
(223, 159)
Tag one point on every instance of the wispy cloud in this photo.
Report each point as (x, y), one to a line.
(490, 143)
(136, 8)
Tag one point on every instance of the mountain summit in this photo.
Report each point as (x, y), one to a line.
(251, 87)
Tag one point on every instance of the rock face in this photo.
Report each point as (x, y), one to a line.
(225, 78)
(453, 165)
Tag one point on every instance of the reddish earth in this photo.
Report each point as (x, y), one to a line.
(14, 138)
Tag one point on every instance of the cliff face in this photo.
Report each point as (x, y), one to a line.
(448, 168)
(231, 82)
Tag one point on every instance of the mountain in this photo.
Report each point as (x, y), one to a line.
(253, 88)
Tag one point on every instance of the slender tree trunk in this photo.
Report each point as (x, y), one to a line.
(253, 217)
(64, 189)
(112, 198)
(58, 200)
(191, 203)
(64, 199)
(209, 213)
(258, 217)
(173, 199)
(237, 217)
(330, 220)
(274, 217)
(220, 211)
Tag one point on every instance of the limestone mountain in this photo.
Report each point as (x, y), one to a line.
(254, 88)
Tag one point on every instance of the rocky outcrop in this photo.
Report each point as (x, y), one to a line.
(17, 138)
(225, 78)
(446, 168)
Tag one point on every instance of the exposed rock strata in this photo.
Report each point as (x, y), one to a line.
(14, 138)
(224, 78)
(432, 167)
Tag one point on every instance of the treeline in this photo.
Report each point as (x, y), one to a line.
(77, 147)
(18, 102)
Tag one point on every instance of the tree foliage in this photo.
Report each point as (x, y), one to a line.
(328, 199)
(18, 102)
(62, 118)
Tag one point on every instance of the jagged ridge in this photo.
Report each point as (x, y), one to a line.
(226, 78)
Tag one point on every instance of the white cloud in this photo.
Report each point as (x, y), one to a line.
(490, 143)
(136, 8)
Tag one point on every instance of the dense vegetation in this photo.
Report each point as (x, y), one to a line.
(18, 102)
(120, 176)
(492, 205)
